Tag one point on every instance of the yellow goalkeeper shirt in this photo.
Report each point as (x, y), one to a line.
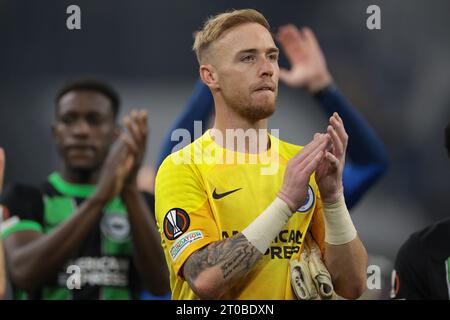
(205, 193)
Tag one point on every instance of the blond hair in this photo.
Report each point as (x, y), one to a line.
(216, 25)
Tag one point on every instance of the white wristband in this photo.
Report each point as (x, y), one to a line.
(339, 228)
(267, 225)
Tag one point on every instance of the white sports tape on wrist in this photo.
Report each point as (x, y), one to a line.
(339, 228)
(267, 225)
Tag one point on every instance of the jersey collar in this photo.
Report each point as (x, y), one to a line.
(71, 189)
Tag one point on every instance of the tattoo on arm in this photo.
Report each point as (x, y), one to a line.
(235, 256)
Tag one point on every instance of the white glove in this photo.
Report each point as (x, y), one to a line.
(310, 278)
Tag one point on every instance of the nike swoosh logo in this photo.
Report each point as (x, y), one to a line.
(218, 196)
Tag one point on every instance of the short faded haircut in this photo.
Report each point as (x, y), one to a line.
(216, 25)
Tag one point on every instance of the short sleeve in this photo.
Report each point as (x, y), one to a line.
(183, 212)
(22, 209)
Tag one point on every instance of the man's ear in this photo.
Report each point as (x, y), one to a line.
(209, 76)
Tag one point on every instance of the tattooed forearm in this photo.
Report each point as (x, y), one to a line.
(234, 256)
(243, 259)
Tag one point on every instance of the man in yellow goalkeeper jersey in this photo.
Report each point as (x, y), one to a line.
(234, 207)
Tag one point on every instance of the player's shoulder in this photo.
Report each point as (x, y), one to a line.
(425, 241)
(433, 236)
(410, 256)
(21, 199)
(186, 156)
(21, 192)
(180, 165)
(436, 230)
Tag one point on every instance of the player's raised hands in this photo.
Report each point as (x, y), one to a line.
(125, 157)
(136, 139)
(299, 170)
(330, 169)
(116, 169)
(308, 65)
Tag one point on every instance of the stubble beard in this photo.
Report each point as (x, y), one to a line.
(250, 109)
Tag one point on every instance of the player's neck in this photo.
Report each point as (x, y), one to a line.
(227, 122)
(80, 176)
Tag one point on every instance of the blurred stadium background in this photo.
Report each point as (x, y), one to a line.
(397, 77)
